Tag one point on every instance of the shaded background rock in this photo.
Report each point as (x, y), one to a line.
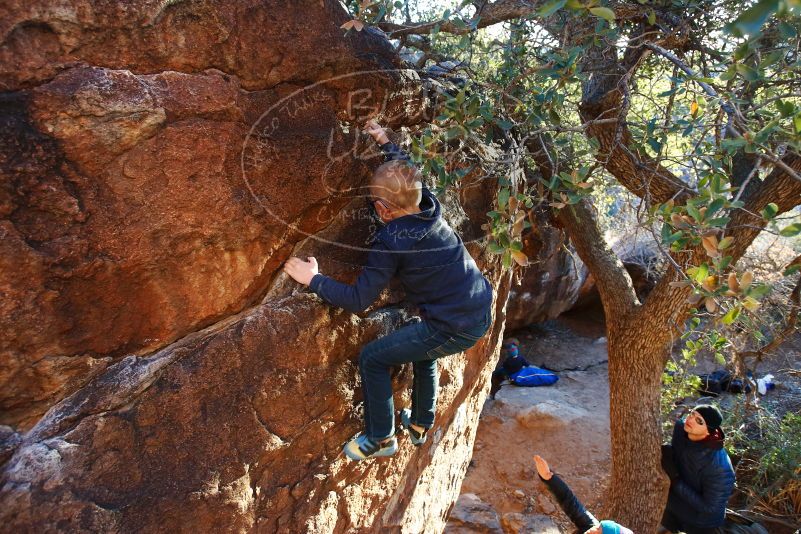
(551, 284)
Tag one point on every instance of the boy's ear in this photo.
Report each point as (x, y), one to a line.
(384, 212)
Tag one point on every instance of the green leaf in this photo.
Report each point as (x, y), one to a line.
(503, 197)
(701, 273)
(785, 108)
(724, 262)
(752, 19)
(792, 269)
(453, 132)
(791, 230)
(504, 124)
(604, 13)
(651, 17)
(495, 248)
(742, 50)
(732, 145)
(503, 240)
(665, 233)
(729, 74)
(474, 123)
(718, 222)
(550, 8)
(772, 58)
(749, 73)
(770, 211)
(758, 291)
(731, 315)
(714, 206)
(787, 31)
(507, 259)
(693, 212)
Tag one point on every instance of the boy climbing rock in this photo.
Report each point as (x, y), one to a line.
(439, 276)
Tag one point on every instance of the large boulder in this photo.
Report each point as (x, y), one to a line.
(550, 285)
(158, 372)
(160, 162)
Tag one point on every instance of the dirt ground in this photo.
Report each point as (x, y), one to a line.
(567, 424)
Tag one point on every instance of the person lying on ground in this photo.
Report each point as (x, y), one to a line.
(513, 362)
(439, 276)
(584, 521)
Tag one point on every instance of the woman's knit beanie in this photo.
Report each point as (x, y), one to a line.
(711, 415)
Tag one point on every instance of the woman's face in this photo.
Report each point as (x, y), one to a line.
(695, 425)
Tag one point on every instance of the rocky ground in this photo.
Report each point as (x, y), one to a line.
(567, 424)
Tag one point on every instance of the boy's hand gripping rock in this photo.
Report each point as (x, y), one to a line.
(301, 271)
(377, 131)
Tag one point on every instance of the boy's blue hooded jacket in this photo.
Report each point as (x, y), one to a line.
(433, 266)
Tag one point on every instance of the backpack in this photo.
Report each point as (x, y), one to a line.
(716, 383)
(532, 376)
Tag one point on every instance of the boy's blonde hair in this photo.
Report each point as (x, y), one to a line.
(399, 183)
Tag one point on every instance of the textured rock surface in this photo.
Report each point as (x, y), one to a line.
(160, 161)
(158, 373)
(550, 285)
(472, 515)
(126, 220)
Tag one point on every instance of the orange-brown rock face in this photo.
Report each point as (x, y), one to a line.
(158, 373)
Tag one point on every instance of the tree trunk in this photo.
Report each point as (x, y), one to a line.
(636, 359)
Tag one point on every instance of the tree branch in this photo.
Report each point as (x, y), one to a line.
(781, 188)
(503, 10)
(613, 281)
(725, 105)
(603, 96)
(670, 302)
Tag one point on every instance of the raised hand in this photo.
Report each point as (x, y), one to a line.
(542, 467)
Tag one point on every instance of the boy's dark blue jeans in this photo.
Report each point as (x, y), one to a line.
(421, 344)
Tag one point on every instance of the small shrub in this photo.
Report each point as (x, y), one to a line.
(769, 473)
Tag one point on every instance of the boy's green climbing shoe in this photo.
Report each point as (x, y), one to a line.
(361, 447)
(418, 438)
